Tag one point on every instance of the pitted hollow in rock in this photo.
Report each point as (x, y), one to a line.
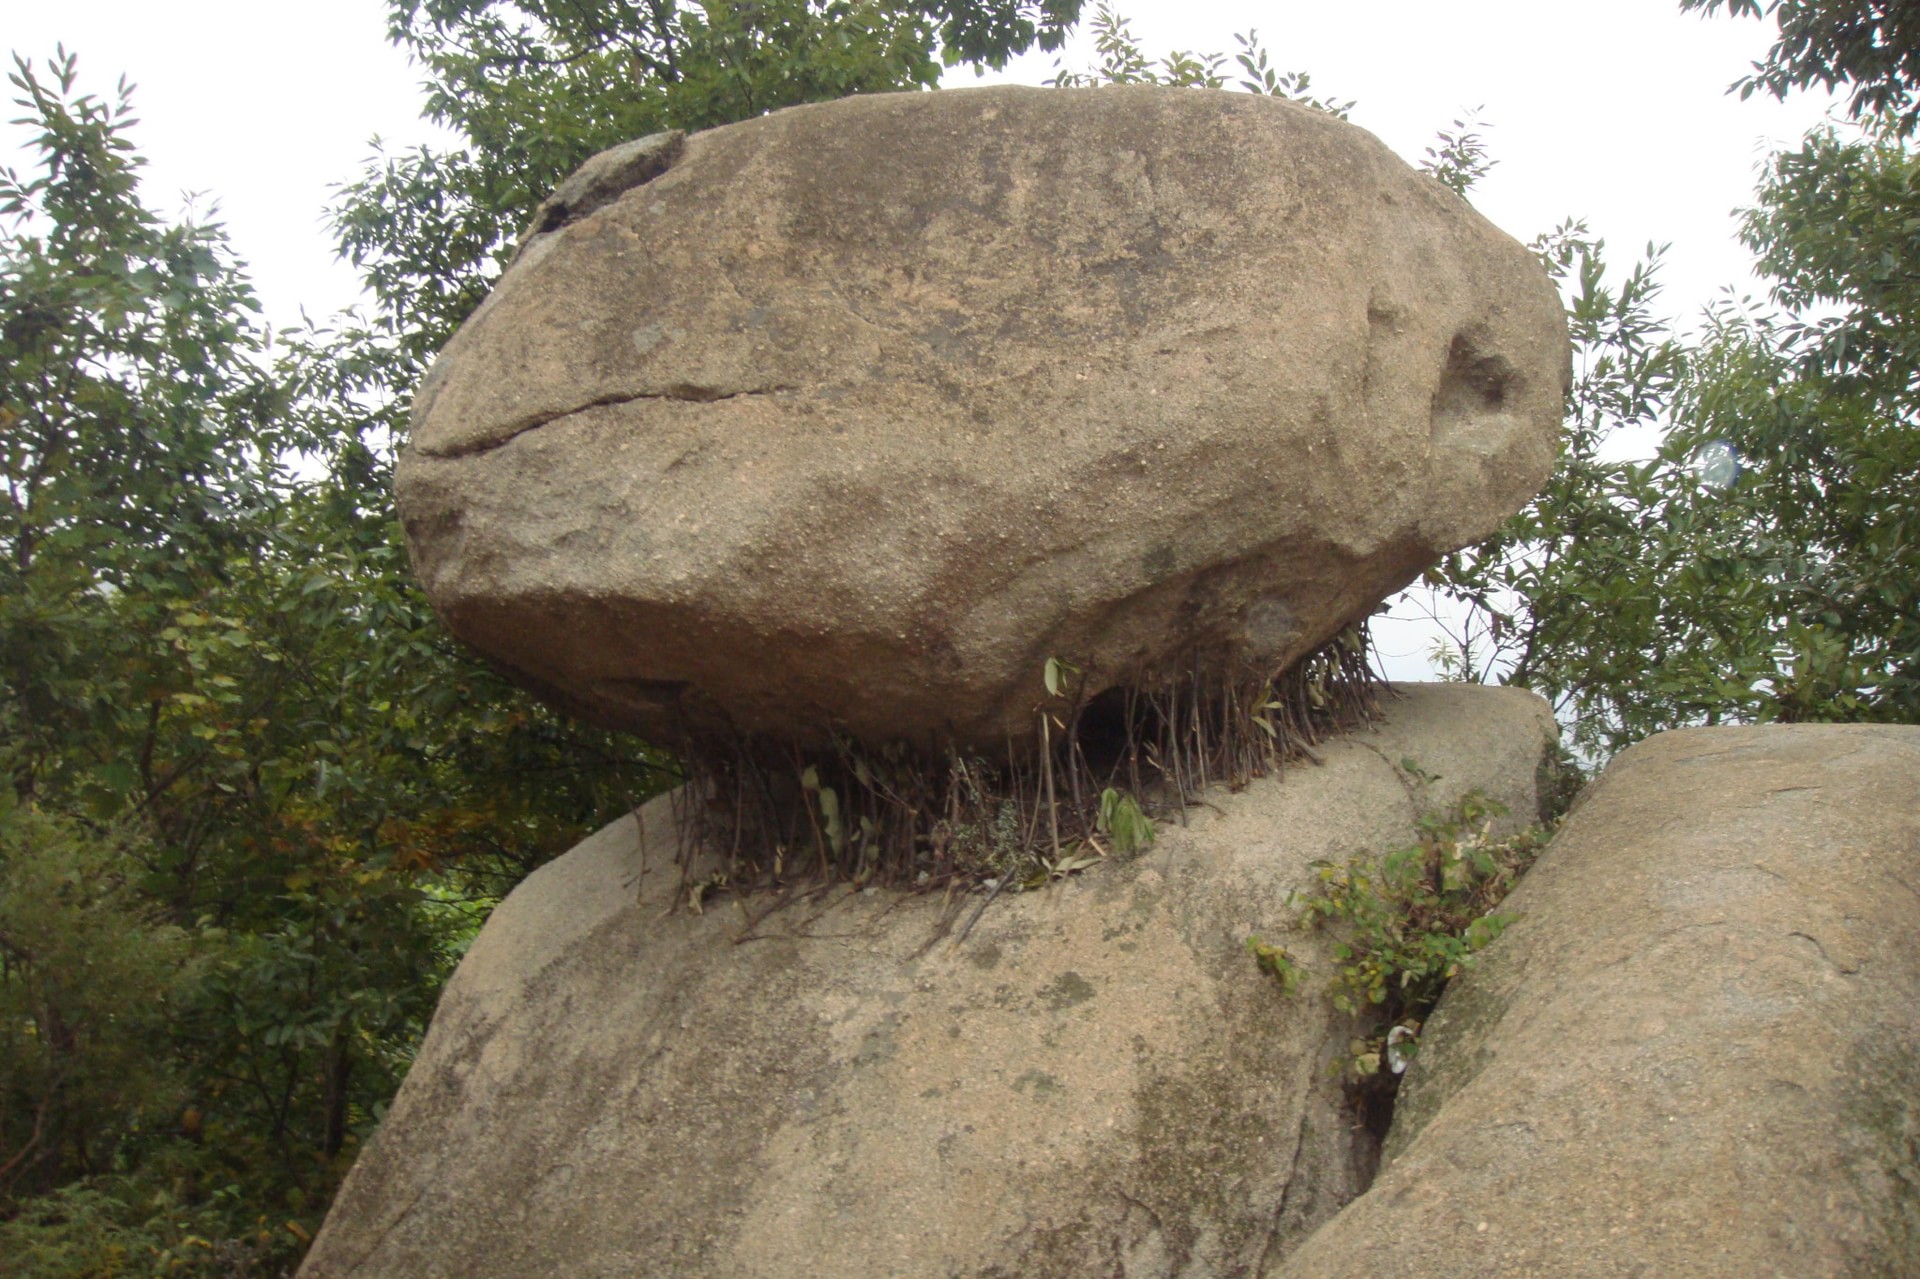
(603, 179)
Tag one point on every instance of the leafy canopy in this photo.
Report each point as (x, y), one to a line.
(1762, 563)
(250, 795)
(255, 800)
(1868, 48)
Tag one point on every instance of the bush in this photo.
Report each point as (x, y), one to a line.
(1407, 924)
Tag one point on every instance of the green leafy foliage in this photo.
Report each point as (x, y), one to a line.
(1127, 827)
(1869, 48)
(252, 796)
(1406, 924)
(1458, 158)
(1259, 77)
(92, 977)
(1816, 411)
(131, 436)
(1123, 60)
(115, 1225)
(1279, 963)
(1730, 534)
(1571, 597)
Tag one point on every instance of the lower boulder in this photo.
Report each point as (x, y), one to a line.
(1696, 1053)
(1093, 1079)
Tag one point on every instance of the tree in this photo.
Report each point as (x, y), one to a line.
(1820, 399)
(1819, 403)
(137, 435)
(1762, 565)
(1565, 597)
(253, 795)
(256, 798)
(1124, 60)
(1870, 48)
(91, 975)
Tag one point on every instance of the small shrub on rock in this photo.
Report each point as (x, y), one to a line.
(1406, 924)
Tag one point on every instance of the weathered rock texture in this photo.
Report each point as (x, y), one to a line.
(1697, 1053)
(855, 414)
(1097, 1081)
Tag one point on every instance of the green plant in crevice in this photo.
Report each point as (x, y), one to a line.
(1125, 824)
(1407, 924)
(1278, 962)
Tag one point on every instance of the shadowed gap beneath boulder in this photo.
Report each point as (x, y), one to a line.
(782, 816)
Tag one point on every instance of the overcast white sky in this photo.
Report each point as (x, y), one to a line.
(1613, 112)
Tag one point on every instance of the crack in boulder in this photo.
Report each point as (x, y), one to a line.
(686, 392)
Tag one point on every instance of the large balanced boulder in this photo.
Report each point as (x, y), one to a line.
(849, 417)
(1697, 1053)
(1096, 1080)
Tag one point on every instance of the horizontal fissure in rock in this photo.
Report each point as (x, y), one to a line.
(684, 392)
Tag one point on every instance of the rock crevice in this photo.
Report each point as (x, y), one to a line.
(1673, 1030)
(1097, 1080)
(683, 392)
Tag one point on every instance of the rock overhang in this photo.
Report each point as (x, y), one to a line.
(850, 416)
